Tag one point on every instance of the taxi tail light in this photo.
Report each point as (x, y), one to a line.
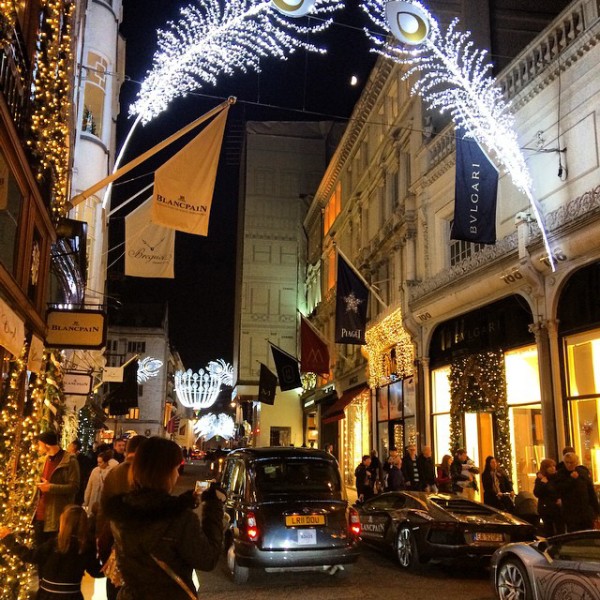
(354, 522)
(251, 527)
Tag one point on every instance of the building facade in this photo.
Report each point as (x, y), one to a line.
(282, 165)
(466, 325)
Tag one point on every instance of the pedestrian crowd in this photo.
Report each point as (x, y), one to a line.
(563, 497)
(119, 520)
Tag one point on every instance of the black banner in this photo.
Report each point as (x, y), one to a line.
(351, 301)
(476, 190)
(123, 396)
(287, 369)
(266, 385)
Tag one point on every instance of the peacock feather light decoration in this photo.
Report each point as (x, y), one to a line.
(215, 38)
(453, 76)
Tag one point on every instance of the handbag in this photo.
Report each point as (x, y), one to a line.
(167, 569)
(111, 569)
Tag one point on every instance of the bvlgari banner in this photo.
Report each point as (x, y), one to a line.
(76, 329)
(149, 248)
(184, 185)
(12, 330)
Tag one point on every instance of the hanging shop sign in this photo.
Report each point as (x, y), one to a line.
(12, 330)
(77, 384)
(76, 329)
(35, 360)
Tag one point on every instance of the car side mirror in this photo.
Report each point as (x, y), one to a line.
(543, 546)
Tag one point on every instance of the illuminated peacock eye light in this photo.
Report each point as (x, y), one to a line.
(293, 9)
(409, 23)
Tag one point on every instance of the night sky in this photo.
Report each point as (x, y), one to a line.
(306, 87)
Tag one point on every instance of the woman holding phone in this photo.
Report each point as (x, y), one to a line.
(159, 538)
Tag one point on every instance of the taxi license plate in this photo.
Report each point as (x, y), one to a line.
(304, 520)
(488, 537)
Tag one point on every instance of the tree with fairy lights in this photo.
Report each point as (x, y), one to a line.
(214, 38)
(478, 384)
(454, 76)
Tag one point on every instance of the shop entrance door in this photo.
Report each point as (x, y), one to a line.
(479, 441)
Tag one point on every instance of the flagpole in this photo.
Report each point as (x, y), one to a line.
(146, 155)
(130, 199)
(356, 272)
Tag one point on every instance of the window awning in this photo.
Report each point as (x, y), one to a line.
(336, 412)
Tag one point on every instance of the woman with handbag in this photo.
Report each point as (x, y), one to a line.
(159, 539)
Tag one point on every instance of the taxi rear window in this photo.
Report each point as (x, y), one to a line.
(277, 477)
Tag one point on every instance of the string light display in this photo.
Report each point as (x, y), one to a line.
(214, 38)
(210, 425)
(453, 76)
(381, 339)
(200, 390)
(52, 101)
(478, 384)
(8, 15)
(20, 472)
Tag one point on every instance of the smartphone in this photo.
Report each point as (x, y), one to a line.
(201, 486)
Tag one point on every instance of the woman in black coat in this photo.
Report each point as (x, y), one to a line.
(546, 492)
(63, 560)
(159, 539)
(497, 488)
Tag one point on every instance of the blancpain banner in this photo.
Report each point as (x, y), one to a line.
(184, 185)
(75, 329)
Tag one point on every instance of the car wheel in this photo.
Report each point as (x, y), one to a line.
(406, 550)
(240, 574)
(512, 582)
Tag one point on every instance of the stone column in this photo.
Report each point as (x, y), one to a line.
(559, 408)
(542, 341)
(423, 401)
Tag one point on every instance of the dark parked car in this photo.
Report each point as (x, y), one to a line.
(561, 567)
(288, 511)
(418, 526)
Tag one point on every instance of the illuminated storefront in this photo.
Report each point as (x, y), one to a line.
(479, 362)
(391, 375)
(579, 321)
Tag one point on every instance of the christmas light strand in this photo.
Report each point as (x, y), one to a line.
(52, 100)
(215, 38)
(453, 76)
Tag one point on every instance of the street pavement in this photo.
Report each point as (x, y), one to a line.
(376, 576)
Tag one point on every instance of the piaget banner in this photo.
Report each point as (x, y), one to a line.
(184, 185)
(149, 248)
(35, 359)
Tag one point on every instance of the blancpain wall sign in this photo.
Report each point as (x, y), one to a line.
(76, 329)
(77, 384)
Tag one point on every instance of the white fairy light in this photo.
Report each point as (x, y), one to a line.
(148, 367)
(201, 390)
(210, 425)
(454, 76)
(215, 38)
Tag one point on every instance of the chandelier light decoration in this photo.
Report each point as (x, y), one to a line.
(211, 425)
(148, 367)
(214, 38)
(453, 76)
(200, 390)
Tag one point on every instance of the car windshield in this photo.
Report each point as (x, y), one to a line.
(277, 477)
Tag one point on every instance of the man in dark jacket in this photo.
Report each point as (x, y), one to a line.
(576, 492)
(57, 486)
(364, 483)
(86, 466)
(426, 470)
(410, 469)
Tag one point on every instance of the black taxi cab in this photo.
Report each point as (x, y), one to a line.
(287, 510)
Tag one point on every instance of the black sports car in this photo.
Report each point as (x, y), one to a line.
(420, 526)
